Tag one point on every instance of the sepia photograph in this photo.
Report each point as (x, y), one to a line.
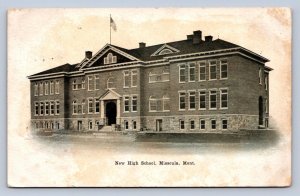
(149, 97)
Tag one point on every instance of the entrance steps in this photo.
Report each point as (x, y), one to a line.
(106, 129)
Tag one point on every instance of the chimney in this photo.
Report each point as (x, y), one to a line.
(88, 54)
(208, 38)
(189, 37)
(197, 37)
(142, 45)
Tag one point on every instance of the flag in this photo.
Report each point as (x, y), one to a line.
(113, 24)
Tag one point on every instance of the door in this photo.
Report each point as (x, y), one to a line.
(159, 125)
(79, 125)
(111, 113)
(260, 111)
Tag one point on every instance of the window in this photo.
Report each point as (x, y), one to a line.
(57, 87)
(126, 79)
(213, 124)
(192, 100)
(90, 106)
(134, 78)
(192, 125)
(202, 124)
(75, 107)
(182, 73)
(57, 125)
(224, 98)
(36, 108)
(57, 107)
(83, 106)
(181, 124)
(202, 100)
(110, 58)
(165, 51)
(110, 82)
(213, 70)
(212, 99)
(46, 108)
(260, 76)
(41, 88)
(90, 83)
(161, 77)
(266, 82)
(152, 104)
(46, 88)
(166, 103)
(224, 69)
(52, 108)
(266, 106)
(75, 87)
(97, 106)
(83, 83)
(165, 75)
(90, 125)
(52, 125)
(134, 125)
(182, 101)
(36, 89)
(126, 104)
(224, 124)
(41, 108)
(126, 125)
(202, 71)
(191, 72)
(51, 88)
(134, 103)
(97, 82)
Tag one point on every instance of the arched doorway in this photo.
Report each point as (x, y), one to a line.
(260, 111)
(111, 112)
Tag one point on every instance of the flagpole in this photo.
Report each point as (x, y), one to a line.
(109, 29)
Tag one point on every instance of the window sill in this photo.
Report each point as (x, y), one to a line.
(212, 108)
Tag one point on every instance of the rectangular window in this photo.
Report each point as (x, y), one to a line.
(79, 108)
(46, 88)
(213, 99)
(266, 82)
(202, 124)
(181, 124)
(83, 83)
(213, 124)
(192, 125)
(182, 101)
(134, 78)
(126, 79)
(75, 86)
(166, 103)
(224, 98)
(90, 83)
(52, 108)
(182, 73)
(57, 107)
(90, 106)
(224, 124)
(134, 125)
(192, 100)
(192, 72)
(223, 69)
(41, 88)
(126, 125)
(260, 76)
(134, 103)
(36, 89)
(153, 104)
(90, 125)
(57, 87)
(202, 100)
(41, 108)
(202, 71)
(126, 104)
(46, 108)
(36, 108)
(75, 107)
(97, 106)
(97, 82)
(51, 88)
(213, 70)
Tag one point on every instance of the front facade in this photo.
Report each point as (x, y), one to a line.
(195, 84)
